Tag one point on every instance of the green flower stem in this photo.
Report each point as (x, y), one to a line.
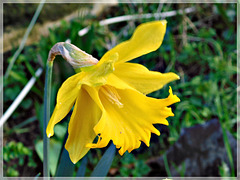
(47, 94)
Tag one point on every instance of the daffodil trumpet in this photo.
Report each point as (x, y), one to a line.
(109, 95)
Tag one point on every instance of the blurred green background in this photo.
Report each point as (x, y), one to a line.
(199, 46)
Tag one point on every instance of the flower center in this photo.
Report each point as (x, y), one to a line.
(112, 95)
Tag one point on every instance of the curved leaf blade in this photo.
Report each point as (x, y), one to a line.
(82, 169)
(105, 162)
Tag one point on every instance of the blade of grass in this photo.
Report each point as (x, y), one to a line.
(223, 14)
(29, 67)
(166, 165)
(228, 149)
(105, 162)
(23, 130)
(225, 138)
(23, 80)
(22, 44)
(20, 78)
(22, 124)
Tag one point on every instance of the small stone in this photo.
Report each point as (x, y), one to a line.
(200, 149)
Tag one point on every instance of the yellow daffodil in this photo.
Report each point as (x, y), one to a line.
(110, 99)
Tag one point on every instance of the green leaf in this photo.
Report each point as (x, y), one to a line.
(224, 170)
(54, 151)
(30, 68)
(141, 168)
(60, 131)
(82, 169)
(128, 159)
(105, 163)
(26, 103)
(65, 167)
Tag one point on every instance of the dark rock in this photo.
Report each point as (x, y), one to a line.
(200, 149)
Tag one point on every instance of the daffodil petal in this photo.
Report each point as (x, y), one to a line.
(133, 122)
(85, 116)
(93, 92)
(66, 97)
(140, 78)
(115, 81)
(146, 38)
